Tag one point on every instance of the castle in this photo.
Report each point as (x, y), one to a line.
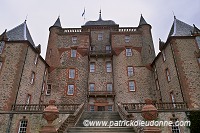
(100, 64)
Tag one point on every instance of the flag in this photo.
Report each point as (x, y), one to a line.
(83, 12)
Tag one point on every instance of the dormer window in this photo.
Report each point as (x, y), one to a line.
(100, 36)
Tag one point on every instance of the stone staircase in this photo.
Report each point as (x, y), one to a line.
(99, 128)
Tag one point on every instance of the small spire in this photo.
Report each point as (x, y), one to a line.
(142, 21)
(57, 23)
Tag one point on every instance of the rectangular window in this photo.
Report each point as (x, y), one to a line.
(198, 60)
(36, 59)
(22, 126)
(71, 73)
(2, 43)
(163, 55)
(50, 52)
(128, 52)
(131, 86)
(28, 100)
(92, 48)
(92, 108)
(92, 67)
(48, 91)
(73, 53)
(32, 77)
(108, 49)
(108, 67)
(175, 128)
(157, 85)
(168, 75)
(173, 99)
(198, 41)
(43, 87)
(100, 36)
(109, 87)
(91, 86)
(127, 38)
(70, 90)
(130, 71)
(109, 107)
(74, 39)
(1, 63)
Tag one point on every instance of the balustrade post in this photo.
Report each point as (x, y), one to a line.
(149, 113)
(50, 113)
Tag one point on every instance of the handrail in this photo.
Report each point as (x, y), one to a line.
(69, 30)
(165, 106)
(127, 29)
(40, 107)
(126, 116)
(71, 119)
(100, 51)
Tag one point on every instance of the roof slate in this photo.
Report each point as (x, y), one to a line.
(142, 21)
(57, 23)
(100, 22)
(20, 33)
(180, 28)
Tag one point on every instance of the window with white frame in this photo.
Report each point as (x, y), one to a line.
(100, 36)
(32, 77)
(130, 71)
(109, 86)
(92, 108)
(163, 55)
(129, 52)
(91, 85)
(48, 91)
(157, 85)
(175, 128)
(2, 43)
(73, 52)
(108, 67)
(43, 87)
(92, 67)
(74, 39)
(168, 75)
(71, 73)
(36, 59)
(131, 86)
(127, 38)
(108, 49)
(109, 107)
(70, 90)
(23, 126)
(28, 100)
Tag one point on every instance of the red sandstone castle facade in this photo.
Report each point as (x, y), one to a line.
(100, 64)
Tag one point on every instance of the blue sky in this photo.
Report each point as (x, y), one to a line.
(41, 14)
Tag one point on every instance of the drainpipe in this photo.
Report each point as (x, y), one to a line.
(11, 115)
(177, 71)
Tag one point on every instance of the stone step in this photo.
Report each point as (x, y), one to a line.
(98, 116)
(100, 130)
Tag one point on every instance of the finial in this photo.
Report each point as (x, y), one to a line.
(100, 15)
(26, 18)
(174, 15)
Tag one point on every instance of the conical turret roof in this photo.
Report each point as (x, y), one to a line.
(19, 33)
(142, 21)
